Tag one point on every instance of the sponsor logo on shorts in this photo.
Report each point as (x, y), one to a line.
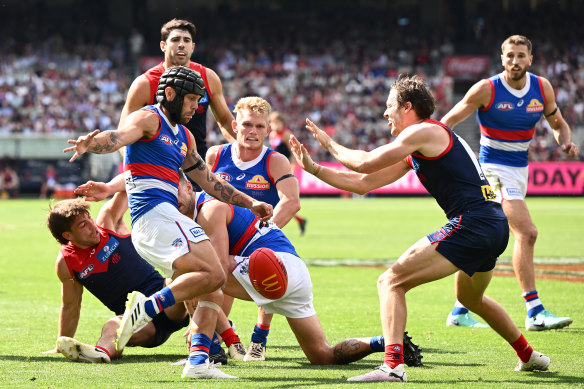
(534, 106)
(225, 176)
(514, 192)
(197, 231)
(178, 243)
(86, 272)
(107, 250)
(504, 106)
(244, 268)
(257, 182)
(166, 139)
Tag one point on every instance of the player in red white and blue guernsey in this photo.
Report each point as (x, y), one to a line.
(100, 257)
(158, 145)
(262, 173)
(236, 233)
(508, 106)
(468, 245)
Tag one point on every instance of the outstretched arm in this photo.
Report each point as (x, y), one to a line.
(347, 180)
(97, 191)
(137, 125)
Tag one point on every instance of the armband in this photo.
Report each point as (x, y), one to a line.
(195, 166)
(552, 113)
(284, 177)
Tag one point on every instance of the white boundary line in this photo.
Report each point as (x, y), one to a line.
(387, 262)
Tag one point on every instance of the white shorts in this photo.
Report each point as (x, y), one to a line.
(296, 302)
(162, 234)
(509, 183)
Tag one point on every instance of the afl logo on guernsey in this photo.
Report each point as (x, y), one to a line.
(504, 106)
(86, 272)
(534, 106)
(224, 176)
(183, 150)
(257, 182)
(166, 140)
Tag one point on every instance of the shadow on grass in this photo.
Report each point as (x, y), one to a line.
(537, 379)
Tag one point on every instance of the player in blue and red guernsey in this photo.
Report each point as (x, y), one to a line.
(236, 233)
(262, 173)
(177, 42)
(468, 245)
(158, 145)
(98, 255)
(509, 105)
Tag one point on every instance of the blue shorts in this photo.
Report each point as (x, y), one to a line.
(166, 327)
(473, 241)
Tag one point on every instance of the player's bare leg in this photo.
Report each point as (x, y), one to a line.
(525, 234)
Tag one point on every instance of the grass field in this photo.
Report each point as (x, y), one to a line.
(345, 298)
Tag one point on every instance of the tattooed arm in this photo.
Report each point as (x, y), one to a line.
(199, 172)
(138, 125)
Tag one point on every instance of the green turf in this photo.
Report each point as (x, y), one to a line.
(345, 298)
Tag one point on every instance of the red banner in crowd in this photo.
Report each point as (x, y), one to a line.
(466, 67)
(545, 178)
(556, 178)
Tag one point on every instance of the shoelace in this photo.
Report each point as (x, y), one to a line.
(256, 350)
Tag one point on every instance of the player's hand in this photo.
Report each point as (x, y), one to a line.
(318, 134)
(571, 150)
(80, 145)
(94, 191)
(53, 351)
(263, 211)
(301, 155)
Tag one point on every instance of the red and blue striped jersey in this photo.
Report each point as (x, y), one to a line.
(151, 166)
(508, 122)
(247, 234)
(252, 178)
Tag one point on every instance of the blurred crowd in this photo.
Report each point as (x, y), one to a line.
(336, 73)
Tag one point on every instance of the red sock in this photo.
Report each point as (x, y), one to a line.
(104, 350)
(230, 337)
(394, 355)
(522, 348)
(300, 220)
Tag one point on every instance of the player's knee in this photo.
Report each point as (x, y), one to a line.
(322, 356)
(387, 281)
(217, 277)
(527, 234)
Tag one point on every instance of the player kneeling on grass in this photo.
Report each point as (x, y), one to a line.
(99, 255)
(263, 266)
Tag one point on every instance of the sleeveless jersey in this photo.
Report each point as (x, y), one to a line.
(278, 145)
(454, 178)
(198, 123)
(112, 269)
(508, 122)
(151, 166)
(252, 178)
(245, 233)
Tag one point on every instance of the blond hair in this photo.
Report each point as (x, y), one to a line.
(255, 104)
